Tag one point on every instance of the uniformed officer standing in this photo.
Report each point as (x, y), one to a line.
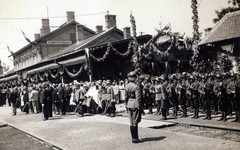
(133, 105)
(158, 93)
(172, 95)
(237, 99)
(194, 96)
(182, 95)
(223, 98)
(216, 94)
(207, 96)
(147, 95)
(231, 93)
(164, 98)
(110, 99)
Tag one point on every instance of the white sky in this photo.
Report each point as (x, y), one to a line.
(148, 14)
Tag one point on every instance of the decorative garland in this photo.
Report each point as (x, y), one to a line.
(133, 22)
(40, 76)
(123, 54)
(109, 48)
(52, 75)
(72, 75)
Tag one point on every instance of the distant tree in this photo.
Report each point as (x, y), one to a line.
(220, 13)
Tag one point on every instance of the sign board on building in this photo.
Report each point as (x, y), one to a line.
(59, 42)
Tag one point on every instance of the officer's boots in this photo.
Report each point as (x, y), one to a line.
(221, 119)
(135, 138)
(174, 111)
(236, 116)
(197, 111)
(225, 116)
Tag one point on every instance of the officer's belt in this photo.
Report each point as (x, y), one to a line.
(133, 97)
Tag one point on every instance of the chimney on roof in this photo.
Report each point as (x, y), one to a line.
(70, 16)
(207, 30)
(45, 27)
(126, 32)
(36, 36)
(79, 35)
(99, 29)
(110, 21)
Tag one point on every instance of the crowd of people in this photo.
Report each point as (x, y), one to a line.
(210, 94)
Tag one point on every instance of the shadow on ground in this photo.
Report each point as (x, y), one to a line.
(149, 139)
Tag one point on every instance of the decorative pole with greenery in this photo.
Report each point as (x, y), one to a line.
(136, 58)
(195, 19)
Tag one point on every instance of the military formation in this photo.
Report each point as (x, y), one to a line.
(193, 92)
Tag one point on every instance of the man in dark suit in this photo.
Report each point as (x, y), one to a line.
(13, 96)
(61, 98)
(67, 95)
(45, 99)
(133, 105)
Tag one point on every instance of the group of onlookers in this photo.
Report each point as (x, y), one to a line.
(210, 94)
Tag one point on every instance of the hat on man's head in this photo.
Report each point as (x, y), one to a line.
(108, 81)
(132, 76)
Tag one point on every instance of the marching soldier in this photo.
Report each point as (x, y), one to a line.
(133, 105)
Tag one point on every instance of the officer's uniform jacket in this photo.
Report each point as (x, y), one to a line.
(231, 88)
(194, 89)
(103, 93)
(133, 96)
(201, 88)
(216, 88)
(158, 92)
(164, 87)
(110, 93)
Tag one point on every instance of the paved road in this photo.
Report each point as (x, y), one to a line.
(98, 132)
